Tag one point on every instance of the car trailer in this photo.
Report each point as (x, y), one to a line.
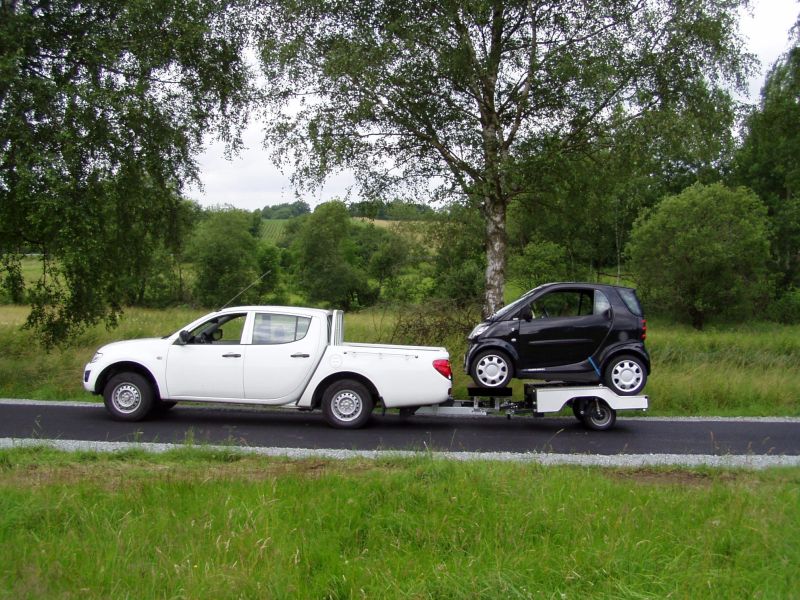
(595, 406)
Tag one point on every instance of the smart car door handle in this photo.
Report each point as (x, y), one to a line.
(300, 355)
(231, 355)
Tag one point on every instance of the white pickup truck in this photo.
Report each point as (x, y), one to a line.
(267, 355)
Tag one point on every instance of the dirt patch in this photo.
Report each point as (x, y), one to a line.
(114, 476)
(664, 477)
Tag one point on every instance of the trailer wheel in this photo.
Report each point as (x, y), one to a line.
(597, 415)
(347, 404)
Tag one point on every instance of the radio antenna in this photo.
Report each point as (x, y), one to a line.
(264, 274)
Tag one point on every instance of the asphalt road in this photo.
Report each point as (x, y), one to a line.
(290, 429)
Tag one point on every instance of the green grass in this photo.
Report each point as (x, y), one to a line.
(195, 524)
(751, 370)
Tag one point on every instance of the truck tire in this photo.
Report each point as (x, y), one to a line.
(347, 404)
(491, 369)
(128, 397)
(626, 375)
(597, 415)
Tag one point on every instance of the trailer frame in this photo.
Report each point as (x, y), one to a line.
(595, 406)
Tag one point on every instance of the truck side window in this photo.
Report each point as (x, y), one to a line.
(220, 330)
(279, 329)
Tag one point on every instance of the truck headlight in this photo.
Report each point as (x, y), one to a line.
(97, 356)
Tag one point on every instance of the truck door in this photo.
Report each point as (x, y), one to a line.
(210, 364)
(284, 351)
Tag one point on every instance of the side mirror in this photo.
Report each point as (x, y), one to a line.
(184, 337)
(526, 314)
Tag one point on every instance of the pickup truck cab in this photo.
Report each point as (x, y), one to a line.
(267, 355)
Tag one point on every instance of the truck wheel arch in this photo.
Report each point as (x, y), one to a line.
(126, 367)
(323, 385)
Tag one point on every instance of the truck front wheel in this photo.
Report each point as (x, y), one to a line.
(347, 404)
(128, 397)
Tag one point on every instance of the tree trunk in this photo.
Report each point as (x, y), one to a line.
(496, 241)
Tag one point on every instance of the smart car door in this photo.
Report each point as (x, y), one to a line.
(566, 327)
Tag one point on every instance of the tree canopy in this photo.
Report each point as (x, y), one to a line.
(703, 253)
(102, 107)
(459, 92)
(769, 161)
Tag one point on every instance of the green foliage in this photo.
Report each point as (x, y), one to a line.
(270, 287)
(703, 253)
(539, 263)
(786, 307)
(286, 210)
(769, 161)
(225, 258)
(455, 237)
(327, 259)
(102, 107)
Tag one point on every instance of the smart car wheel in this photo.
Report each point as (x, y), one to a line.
(626, 375)
(492, 369)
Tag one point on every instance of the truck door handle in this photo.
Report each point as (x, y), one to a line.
(231, 355)
(300, 355)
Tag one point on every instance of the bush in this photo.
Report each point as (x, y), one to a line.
(539, 263)
(786, 309)
(703, 253)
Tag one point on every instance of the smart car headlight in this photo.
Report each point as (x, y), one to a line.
(478, 330)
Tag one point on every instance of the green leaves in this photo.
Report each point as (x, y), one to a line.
(703, 253)
(102, 107)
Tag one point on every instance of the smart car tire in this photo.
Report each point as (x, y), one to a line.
(626, 375)
(492, 369)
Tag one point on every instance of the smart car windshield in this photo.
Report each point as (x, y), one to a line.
(509, 309)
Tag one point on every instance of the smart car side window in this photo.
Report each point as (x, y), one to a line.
(563, 303)
(601, 303)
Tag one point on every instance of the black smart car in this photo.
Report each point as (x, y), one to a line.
(571, 332)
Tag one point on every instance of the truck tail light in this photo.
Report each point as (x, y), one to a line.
(443, 366)
(644, 329)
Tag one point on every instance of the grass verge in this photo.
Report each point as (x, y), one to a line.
(203, 524)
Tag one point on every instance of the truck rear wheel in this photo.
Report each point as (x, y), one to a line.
(347, 404)
(128, 397)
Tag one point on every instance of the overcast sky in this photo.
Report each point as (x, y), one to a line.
(250, 180)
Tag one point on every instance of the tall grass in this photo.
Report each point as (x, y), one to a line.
(220, 525)
(751, 370)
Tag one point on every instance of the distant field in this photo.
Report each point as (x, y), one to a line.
(272, 230)
(751, 370)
